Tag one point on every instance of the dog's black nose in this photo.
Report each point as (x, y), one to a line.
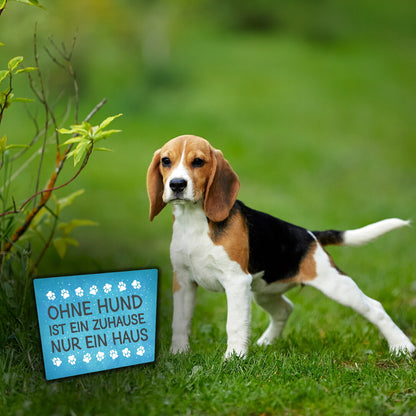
(178, 185)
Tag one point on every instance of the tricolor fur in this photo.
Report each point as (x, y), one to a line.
(222, 245)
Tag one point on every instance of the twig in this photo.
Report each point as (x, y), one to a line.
(67, 57)
(84, 162)
(47, 243)
(6, 96)
(42, 99)
(39, 133)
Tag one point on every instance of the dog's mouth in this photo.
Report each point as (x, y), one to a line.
(178, 199)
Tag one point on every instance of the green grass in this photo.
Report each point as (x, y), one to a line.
(321, 134)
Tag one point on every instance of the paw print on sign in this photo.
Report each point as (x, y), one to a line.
(107, 288)
(93, 290)
(136, 284)
(50, 295)
(100, 356)
(72, 360)
(140, 351)
(87, 358)
(56, 361)
(113, 354)
(79, 292)
(121, 286)
(126, 352)
(64, 293)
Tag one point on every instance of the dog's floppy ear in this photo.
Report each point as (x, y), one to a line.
(222, 189)
(155, 186)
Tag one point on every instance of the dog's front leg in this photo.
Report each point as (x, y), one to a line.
(183, 308)
(238, 292)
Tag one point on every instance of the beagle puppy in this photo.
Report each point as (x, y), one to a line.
(222, 245)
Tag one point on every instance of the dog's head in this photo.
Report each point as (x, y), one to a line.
(187, 169)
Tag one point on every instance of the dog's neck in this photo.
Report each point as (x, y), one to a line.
(189, 214)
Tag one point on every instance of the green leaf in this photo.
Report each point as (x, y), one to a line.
(67, 228)
(22, 100)
(3, 74)
(76, 129)
(30, 3)
(28, 69)
(61, 243)
(17, 146)
(103, 149)
(14, 63)
(76, 139)
(105, 134)
(42, 215)
(108, 120)
(3, 142)
(68, 200)
(81, 151)
(65, 131)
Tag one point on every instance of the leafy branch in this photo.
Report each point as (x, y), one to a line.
(7, 95)
(79, 147)
(85, 143)
(85, 137)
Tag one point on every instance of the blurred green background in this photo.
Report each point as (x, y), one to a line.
(313, 104)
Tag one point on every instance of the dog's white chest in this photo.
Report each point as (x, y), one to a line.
(194, 256)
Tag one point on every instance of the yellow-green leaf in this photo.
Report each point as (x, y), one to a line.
(31, 3)
(104, 134)
(22, 100)
(75, 139)
(28, 69)
(3, 142)
(103, 149)
(68, 200)
(3, 74)
(14, 62)
(60, 245)
(108, 120)
(67, 228)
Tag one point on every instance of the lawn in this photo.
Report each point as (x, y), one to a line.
(318, 121)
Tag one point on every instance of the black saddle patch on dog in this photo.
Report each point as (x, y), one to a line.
(276, 246)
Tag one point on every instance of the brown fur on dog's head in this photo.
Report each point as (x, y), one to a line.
(213, 180)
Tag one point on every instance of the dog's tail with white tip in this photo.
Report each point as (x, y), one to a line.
(359, 236)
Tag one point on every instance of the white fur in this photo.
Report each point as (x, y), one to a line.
(343, 290)
(370, 232)
(197, 260)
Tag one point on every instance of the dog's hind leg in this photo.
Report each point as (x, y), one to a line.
(344, 290)
(279, 309)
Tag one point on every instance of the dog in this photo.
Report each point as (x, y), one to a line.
(222, 245)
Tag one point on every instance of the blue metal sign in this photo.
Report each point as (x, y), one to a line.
(96, 322)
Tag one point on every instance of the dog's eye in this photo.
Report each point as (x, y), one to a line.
(166, 162)
(198, 162)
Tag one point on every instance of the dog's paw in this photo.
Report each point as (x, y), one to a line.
(264, 340)
(235, 352)
(399, 349)
(267, 338)
(179, 348)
